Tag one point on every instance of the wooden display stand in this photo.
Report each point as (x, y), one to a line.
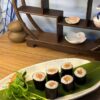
(57, 41)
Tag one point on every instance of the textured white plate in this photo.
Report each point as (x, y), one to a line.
(75, 38)
(56, 63)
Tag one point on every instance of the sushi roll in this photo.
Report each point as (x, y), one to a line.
(53, 74)
(51, 89)
(39, 79)
(66, 69)
(67, 82)
(80, 75)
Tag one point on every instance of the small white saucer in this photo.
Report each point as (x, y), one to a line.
(76, 38)
(72, 20)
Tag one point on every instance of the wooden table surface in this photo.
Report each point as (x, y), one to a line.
(16, 56)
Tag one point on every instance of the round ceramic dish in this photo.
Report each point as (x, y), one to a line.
(75, 38)
(72, 20)
(96, 22)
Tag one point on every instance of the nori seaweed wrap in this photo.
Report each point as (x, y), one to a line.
(66, 69)
(80, 75)
(39, 79)
(67, 82)
(51, 89)
(53, 74)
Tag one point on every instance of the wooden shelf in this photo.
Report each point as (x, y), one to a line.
(38, 11)
(83, 47)
(64, 46)
(81, 24)
(57, 41)
(46, 36)
(50, 38)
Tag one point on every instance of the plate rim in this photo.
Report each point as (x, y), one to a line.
(85, 92)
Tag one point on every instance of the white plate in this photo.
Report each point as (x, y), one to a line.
(72, 20)
(55, 63)
(75, 38)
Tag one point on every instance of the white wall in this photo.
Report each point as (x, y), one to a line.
(70, 8)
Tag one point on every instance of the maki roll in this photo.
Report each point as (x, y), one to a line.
(67, 82)
(39, 79)
(80, 75)
(53, 74)
(51, 89)
(66, 69)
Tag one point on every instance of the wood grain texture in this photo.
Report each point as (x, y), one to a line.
(31, 19)
(16, 56)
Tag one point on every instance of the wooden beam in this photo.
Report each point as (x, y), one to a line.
(89, 11)
(21, 21)
(31, 19)
(45, 5)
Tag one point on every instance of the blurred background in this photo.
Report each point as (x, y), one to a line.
(70, 8)
(6, 14)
